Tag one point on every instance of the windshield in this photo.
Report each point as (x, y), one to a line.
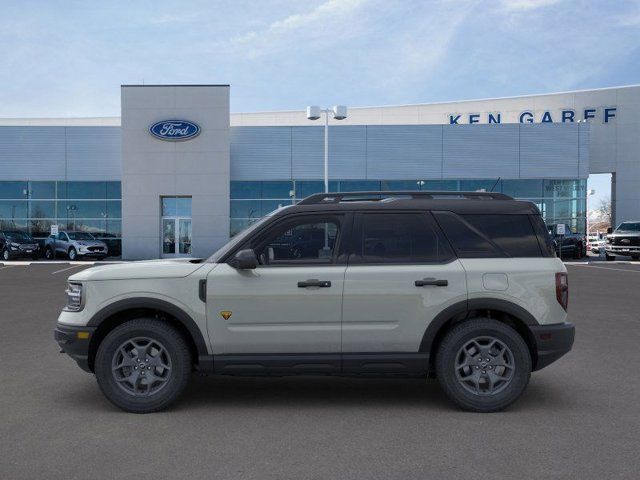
(80, 236)
(19, 237)
(629, 227)
(241, 237)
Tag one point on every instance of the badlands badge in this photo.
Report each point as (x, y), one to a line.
(226, 314)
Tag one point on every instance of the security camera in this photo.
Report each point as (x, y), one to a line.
(313, 112)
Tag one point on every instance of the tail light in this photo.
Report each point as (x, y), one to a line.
(562, 289)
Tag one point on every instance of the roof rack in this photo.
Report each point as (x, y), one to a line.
(323, 198)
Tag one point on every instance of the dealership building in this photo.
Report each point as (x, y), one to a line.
(177, 174)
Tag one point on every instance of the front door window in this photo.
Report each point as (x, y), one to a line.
(176, 226)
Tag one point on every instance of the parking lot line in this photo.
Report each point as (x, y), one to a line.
(68, 268)
(7, 266)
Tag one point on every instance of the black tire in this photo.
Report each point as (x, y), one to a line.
(635, 257)
(177, 378)
(48, 253)
(6, 255)
(454, 341)
(72, 254)
(577, 254)
(610, 258)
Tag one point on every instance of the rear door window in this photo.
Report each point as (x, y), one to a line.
(399, 238)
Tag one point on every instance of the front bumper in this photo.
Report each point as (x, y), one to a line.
(552, 342)
(75, 341)
(92, 253)
(622, 250)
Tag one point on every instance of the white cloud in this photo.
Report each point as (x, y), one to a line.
(526, 5)
(326, 24)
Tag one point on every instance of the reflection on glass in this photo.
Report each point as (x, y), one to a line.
(185, 237)
(168, 236)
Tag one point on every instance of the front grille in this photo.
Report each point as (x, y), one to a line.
(95, 249)
(28, 247)
(626, 241)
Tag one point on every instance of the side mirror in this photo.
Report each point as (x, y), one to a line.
(609, 230)
(245, 260)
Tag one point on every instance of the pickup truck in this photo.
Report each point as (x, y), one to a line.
(625, 240)
(572, 244)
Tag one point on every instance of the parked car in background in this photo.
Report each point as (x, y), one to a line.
(625, 240)
(75, 245)
(15, 244)
(595, 242)
(570, 244)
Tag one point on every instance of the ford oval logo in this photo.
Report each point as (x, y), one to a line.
(174, 130)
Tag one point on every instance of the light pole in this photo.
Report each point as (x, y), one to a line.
(314, 112)
(589, 193)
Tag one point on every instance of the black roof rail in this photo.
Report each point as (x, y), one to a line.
(324, 198)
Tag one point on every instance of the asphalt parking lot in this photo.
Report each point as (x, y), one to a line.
(579, 419)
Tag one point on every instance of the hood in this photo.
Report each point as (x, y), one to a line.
(91, 243)
(173, 268)
(624, 233)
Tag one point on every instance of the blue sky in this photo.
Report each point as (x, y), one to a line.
(68, 58)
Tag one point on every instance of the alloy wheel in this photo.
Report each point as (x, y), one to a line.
(141, 366)
(484, 366)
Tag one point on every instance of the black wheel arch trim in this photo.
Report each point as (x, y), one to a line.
(155, 304)
(460, 310)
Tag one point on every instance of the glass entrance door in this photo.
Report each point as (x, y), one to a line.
(176, 237)
(176, 227)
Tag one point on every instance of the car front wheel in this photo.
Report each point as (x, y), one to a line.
(483, 365)
(610, 258)
(6, 255)
(143, 365)
(73, 254)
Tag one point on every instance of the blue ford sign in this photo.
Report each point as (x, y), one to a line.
(174, 130)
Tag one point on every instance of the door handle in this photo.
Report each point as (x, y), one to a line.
(425, 282)
(314, 283)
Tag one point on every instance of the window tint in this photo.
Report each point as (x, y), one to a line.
(467, 242)
(400, 238)
(544, 239)
(304, 240)
(514, 234)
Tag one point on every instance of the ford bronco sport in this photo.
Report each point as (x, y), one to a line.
(462, 286)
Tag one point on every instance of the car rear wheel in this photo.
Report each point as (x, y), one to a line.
(483, 365)
(48, 253)
(143, 365)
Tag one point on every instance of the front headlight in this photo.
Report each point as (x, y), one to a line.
(14, 246)
(74, 297)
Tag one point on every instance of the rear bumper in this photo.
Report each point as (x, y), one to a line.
(74, 345)
(552, 342)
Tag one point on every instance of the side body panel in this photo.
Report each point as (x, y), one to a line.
(384, 311)
(526, 282)
(269, 313)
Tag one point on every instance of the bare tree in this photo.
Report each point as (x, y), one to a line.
(604, 210)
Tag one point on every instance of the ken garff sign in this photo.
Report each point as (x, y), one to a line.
(568, 115)
(174, 130)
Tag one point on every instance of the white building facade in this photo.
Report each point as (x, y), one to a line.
(177, 174)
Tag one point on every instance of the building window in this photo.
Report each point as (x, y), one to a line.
(560, 201)
(91, 207)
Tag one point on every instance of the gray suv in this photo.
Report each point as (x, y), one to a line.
(74, 245)
(465, 287)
